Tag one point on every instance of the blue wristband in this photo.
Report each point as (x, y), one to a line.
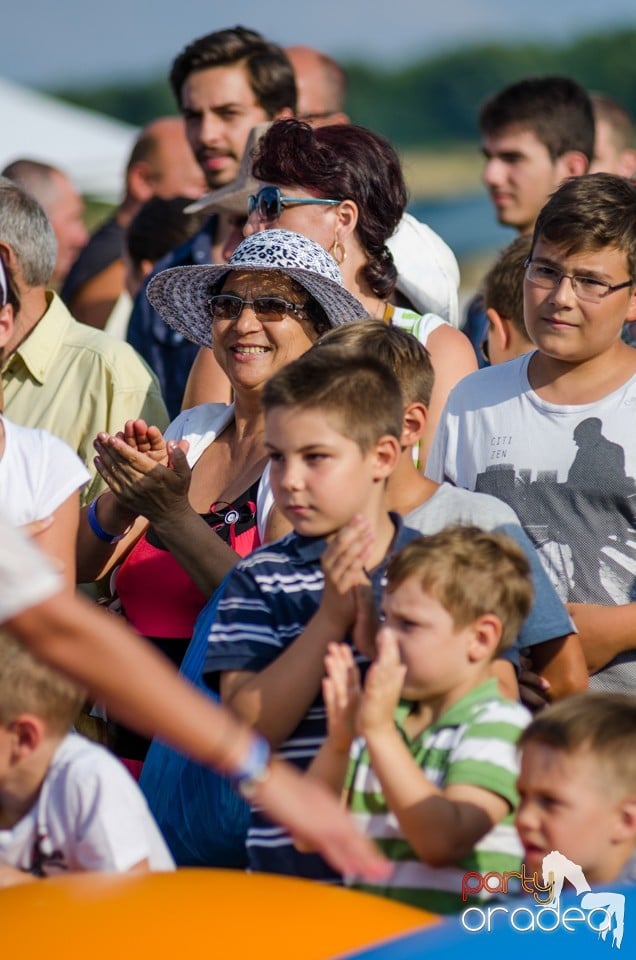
(97, 528)
(254, 769)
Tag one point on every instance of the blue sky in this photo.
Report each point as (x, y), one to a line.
(46, 43)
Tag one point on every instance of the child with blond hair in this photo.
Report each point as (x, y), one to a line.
(66, 804)
(425, 752)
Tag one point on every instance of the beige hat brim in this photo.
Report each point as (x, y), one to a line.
(233, 197)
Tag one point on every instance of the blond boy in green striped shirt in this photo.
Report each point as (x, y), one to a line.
(426, 751)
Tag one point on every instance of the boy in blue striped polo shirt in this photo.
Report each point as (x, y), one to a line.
(332, 428)
(426, 751)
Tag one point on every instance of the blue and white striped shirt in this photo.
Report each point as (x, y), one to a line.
(269, 598)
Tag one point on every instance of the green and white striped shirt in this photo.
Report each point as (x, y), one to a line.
(473, 742)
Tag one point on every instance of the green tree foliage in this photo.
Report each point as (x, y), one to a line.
(134, 101)
(431, 102)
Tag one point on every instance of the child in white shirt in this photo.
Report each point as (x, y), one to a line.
(66, 805)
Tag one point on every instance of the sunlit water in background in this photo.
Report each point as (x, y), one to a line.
(467, 224)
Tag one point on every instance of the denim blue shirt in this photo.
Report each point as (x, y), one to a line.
(168, 353)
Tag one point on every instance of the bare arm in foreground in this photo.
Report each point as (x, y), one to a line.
(137, 684)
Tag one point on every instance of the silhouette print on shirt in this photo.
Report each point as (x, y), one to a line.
(585, 528)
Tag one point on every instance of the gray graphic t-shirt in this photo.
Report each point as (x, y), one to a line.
(568, 472)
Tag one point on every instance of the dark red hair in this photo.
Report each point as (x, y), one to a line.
(342, 162)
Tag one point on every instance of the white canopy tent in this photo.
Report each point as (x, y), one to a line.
(91, 148)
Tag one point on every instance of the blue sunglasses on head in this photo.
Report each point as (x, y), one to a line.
(268, 203)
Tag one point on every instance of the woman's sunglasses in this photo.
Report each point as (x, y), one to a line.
(269, 203)
(227, 306)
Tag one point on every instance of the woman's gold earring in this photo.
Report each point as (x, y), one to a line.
(338, 252)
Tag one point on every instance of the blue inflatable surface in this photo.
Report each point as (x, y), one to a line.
(515, 932)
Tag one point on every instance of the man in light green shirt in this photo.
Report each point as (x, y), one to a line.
(58, 374)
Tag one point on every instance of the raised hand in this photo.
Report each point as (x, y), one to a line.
(382, 688)
(341, 693)
(343, 564)
(142, 484)
(366, 622)
(149, 440)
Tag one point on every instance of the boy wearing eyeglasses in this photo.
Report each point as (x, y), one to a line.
(550, 432)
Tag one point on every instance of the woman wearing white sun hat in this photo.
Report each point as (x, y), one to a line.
(261, 310)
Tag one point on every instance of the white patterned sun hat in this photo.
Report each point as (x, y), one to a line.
(180, 294)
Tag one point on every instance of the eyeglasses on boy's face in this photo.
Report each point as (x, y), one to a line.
(590, 289)
(269, 203)
(227, 306)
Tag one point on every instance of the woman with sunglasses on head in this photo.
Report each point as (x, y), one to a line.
(342, 185)
(178, 527)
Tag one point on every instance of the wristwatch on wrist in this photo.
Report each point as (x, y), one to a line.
(254, 769)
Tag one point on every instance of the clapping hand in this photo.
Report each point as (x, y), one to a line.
(133, 466)
(341, 693)
(382, 688)
(149, 440)
(343, 564)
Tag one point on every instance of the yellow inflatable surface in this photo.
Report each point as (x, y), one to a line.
(193, 914)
